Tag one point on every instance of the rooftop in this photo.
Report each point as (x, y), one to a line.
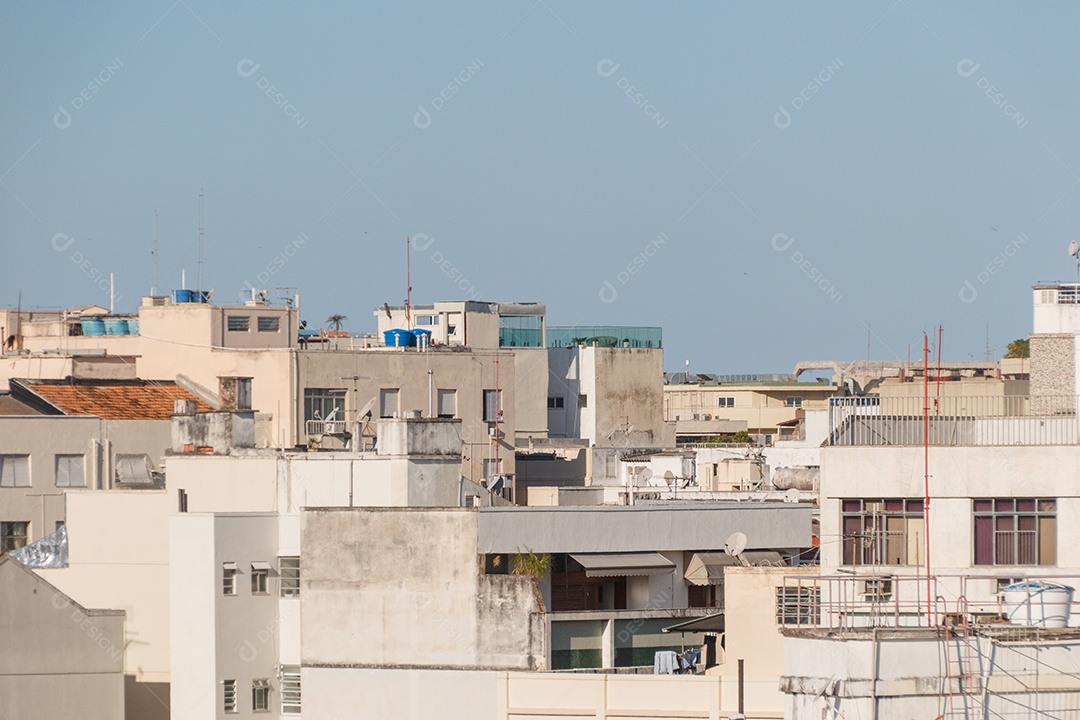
(107, 399)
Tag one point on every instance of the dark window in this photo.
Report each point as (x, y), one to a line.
(555, 403)
(269, 324)
(239, 323)
(492, 406)
(13, 535)
(1015, 531)
(319, 403)
(289, 571)
(882, 531)
(798, 605)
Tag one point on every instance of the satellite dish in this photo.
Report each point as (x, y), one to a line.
(646, 474)
(1074, 248)
(792, 495)
(669, 477)
(735, 544)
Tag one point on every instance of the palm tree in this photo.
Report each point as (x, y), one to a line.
(336, 321)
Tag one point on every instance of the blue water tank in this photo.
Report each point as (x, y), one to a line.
(183, 296)
(133, 326)
(92, 327)
(398, 338)
(421, 337)
(115, 326)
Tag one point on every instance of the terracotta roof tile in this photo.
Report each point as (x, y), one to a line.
(114, 401)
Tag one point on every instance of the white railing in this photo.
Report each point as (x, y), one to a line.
(955, 421)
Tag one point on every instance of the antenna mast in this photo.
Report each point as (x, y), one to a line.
(155, 254)
(200, 241)
(926, 472)
(408, 282)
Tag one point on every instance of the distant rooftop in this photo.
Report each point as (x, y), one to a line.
(682, 378)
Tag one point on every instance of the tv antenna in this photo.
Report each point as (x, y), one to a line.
(1074, 251)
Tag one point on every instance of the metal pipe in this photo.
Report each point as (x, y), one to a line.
(741, 687)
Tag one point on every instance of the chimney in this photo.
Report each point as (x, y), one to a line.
(234, 392)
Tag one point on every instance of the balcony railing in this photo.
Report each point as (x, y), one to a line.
(963, 421)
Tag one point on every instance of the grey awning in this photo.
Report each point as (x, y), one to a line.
(624, 564)
(707, 568)
(709, 623)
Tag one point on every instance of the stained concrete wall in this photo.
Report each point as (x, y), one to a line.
(402, 587)
(57, 659)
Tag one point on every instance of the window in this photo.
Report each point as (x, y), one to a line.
(229, 701)
(882, 531)
(228, 578)
(725, 402)
(582, 401)
(135, 470)
(13, 535)
(1015, 531)
(289, 570)
(14, 471)
(428, 320)
(797, 605)
(877, 590)
(492, 405)
(269, 324)
(260, 575)
(555, 403)
(793, 401)
(239, 323)
(324, 403)
(447, 403)
(260, 695)
(60, 524)
(388, 402)
(290, 689)
(69, 471)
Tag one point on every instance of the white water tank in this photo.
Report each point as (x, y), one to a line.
(1037, 603)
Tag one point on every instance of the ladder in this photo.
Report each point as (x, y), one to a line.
(963, 669)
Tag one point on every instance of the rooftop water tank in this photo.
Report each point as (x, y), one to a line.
(421, 337)
(1037, 603)
(133, 326)
(92, 327)
(183, 296)
(115, 326)
(398, 338)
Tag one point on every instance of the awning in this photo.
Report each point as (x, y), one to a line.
(709, 623)
(624, 564)
(707, 568)
(228, 566)
(260, 565)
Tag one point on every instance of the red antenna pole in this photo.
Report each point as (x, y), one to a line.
(926, 475)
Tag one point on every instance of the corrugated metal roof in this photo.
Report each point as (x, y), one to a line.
(624, 564)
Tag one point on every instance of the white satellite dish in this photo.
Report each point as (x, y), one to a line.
(1074, 248)
(669, 477)
(646, 474)
(735, 544)
(792, 495)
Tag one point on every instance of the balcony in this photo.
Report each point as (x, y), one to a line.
(964, 421)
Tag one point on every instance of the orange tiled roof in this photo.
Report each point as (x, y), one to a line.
(111, 401)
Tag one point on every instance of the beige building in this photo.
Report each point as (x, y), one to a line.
(58, 659)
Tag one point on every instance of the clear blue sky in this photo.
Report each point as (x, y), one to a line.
(918, 142)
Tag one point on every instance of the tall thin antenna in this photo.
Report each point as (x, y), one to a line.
(867, 342)
(408, 282)
(926, 474)
(987, 342)
(155, 254)
(200, 242)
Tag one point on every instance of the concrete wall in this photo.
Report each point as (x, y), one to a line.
(752, 635)
(403, 588)
(418, 694)
(118, 557)
(642, 528)
(43, 437)
(57, 659)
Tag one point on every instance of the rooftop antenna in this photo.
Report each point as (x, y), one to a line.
(200, 241)
(408, 282)
(153, 291)
(1074, 250)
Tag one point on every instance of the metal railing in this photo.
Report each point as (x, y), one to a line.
(854, 602)
(962, 421)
